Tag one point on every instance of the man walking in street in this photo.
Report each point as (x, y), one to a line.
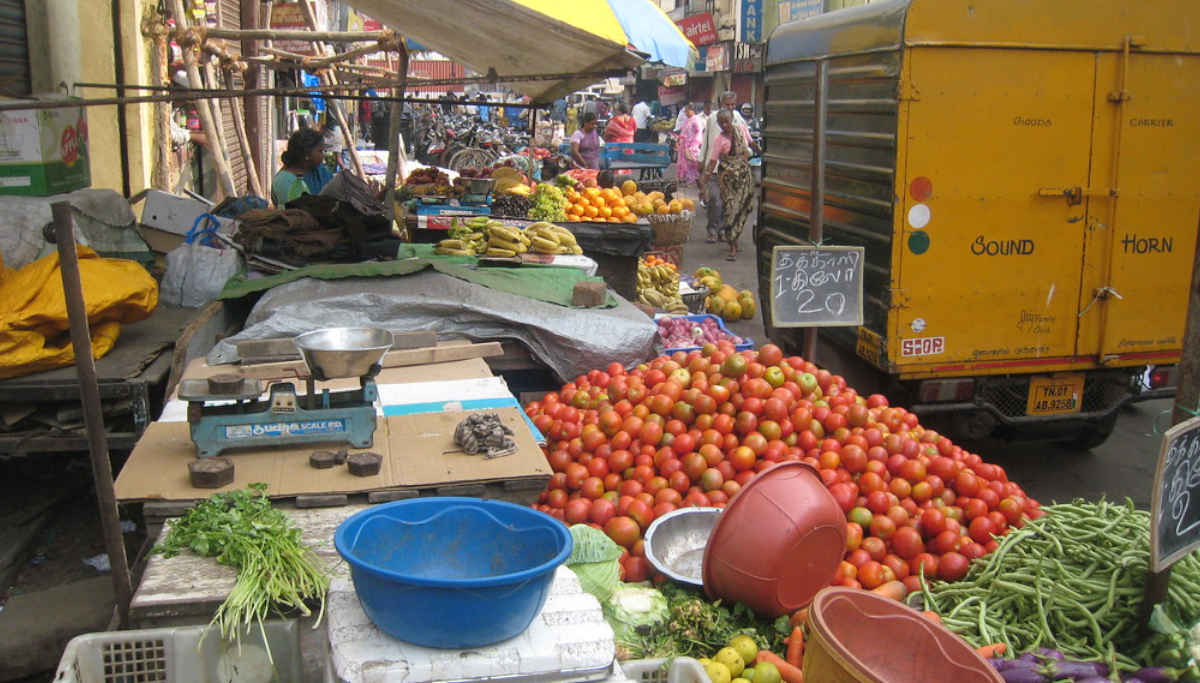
(714, 207)
(641, 116)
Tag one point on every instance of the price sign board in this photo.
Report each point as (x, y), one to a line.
(816, 286)
(1175, 505)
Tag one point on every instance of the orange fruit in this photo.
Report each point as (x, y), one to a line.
(576, 210)
(655, 195)
(675, 206)
(629, 218)
(592, 192)
(572, 218)
(628, 187)
(606, 212)
(591, 212)
(661, 210)
(598, 201)
(688, 204)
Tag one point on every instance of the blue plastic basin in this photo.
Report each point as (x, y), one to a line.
(452, 572)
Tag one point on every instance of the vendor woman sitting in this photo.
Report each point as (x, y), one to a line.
(305, 152)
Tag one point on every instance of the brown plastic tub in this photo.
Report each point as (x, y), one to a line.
(855, 636)
(778, 542)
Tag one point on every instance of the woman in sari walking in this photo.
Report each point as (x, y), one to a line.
(730, 160)
(691, 139)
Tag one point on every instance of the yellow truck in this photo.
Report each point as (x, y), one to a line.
(1024, 177)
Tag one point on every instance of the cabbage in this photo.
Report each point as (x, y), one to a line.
(635, 609)
(594, 560)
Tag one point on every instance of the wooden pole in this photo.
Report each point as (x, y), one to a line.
(89, 389)
(253, 106)
(206, 116)
(1187, 404)
(164, 172)
(397, 112)
(268, 167)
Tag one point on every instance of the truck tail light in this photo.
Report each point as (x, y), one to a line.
(944, 390)
(1162, 377)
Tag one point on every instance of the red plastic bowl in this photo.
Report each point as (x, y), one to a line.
(778, 542)
(855, 635)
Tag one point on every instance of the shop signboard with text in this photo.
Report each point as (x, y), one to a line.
(751, 24)
(699, 28)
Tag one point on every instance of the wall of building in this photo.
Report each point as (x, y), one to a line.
(71, 41)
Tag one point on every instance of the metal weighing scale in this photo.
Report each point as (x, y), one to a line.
(224, 412)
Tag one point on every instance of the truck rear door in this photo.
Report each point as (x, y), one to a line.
(1140, 244)
(990, 270)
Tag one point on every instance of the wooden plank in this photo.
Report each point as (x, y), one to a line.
(256, 351)
(392, 359)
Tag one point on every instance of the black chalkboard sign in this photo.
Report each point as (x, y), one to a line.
(816, 286)
(1175, 507)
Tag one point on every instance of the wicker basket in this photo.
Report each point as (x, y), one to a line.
(695, 300)
(670, 229)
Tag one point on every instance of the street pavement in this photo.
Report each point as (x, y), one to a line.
(1121, 467)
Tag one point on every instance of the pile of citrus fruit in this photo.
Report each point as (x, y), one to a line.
(598, 206)
(625, 204)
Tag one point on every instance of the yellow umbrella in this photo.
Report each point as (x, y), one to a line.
(538, 37)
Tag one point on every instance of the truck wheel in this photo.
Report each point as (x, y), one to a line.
(1092, 435)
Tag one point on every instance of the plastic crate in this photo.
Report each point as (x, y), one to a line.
(677, 670)
(177, 655)
(747, 342)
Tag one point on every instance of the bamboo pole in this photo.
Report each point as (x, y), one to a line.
(269, 160)
(334, 107)
(239, 127)
(214, 82)
(284, 34)
(206, 116)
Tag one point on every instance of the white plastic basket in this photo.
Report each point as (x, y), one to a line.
(677, 670)
(177, 655)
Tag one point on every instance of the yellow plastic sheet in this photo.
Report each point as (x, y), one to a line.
(34, 328)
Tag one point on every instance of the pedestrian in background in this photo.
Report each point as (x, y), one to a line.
(641, 115)
(710, 194)
(586, 143)
(691, 135)
(730, 152)
(622, 127)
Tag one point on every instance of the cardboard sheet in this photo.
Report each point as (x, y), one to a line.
(413, 438)
(414, 449)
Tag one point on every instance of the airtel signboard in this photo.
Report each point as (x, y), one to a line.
(699, 28)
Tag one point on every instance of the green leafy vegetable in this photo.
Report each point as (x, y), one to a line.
(594, 560)
(698, 627)
(274, 568)
(633, 609)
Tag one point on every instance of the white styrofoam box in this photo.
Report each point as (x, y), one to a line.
(177, 213)
(569, 640)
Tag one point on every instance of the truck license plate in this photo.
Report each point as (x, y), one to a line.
(1056, 395)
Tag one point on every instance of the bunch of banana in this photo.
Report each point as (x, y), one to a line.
(466, 239)
(658, 286)
(671, 304)
(505, 241)
(547, 238)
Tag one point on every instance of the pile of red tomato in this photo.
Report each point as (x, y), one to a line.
(694, 428)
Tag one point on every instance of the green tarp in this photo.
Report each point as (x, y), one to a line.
(552, 284)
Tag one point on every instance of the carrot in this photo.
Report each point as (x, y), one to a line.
(932, 616)
(788, 673)
(892, 589)
(795, 648)
(993, 650)
(799, 616)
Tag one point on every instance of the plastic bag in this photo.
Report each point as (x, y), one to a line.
(196, 272)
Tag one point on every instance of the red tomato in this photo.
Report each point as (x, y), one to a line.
(858, 557)
(952, 566)
(854, 536)
(875, 547)
(980, 529)
(742, 458)
(601, 511)
(945, 542)
(882, 526)
(898, 566)
(576, 511)
(972, 550)
(877, 501)
(907, 542)
(845, 495)
(926, 562)
(933, 522)
(871, 574)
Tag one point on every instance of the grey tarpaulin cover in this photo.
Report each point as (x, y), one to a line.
(104, 221)
(570, 341)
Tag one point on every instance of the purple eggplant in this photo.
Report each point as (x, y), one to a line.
(1133, 679)
(999, 663)
(1093, 679)
(1058, 670)
(1022, 675)
(1047, 653)
(1152, 674)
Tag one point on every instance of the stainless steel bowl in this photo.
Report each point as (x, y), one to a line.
(675, 542)
(343, 351)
